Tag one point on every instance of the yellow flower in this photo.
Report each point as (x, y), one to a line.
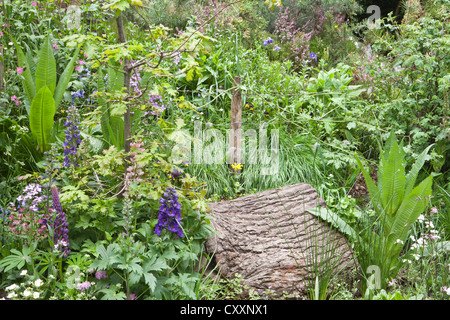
(246, 105)
(237, 166)
(251, 109)
(335, 26)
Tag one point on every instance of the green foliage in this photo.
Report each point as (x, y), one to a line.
(395, 79)
(416, 66)
(42, 112)
(397, 203)
(42, 92)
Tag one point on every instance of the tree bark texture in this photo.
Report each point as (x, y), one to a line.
(274, 243)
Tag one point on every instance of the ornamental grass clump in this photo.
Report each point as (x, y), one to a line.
(169, 213)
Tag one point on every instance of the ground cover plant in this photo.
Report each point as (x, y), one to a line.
(100, 200)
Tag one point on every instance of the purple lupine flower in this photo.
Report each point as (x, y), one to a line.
(73, 138)
(59, 225)
(313, 56)
(169, 213)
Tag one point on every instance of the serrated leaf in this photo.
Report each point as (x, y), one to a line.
(150, 280)
(392, 169)
(412, 174)
(154, 264)
(410, 209)
(118, 109)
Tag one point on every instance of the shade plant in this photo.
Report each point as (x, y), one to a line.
(42, 89)
(397, 203)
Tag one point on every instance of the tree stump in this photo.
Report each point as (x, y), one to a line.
(271, 240)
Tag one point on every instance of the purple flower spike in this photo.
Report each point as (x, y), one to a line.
(73, 138)
(169, 214)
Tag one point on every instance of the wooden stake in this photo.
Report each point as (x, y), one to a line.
(236, 121)
(2, 68)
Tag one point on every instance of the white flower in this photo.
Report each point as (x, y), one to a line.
(12, 287)
(27, 293)
(416, 256)
(24, 272)
(11, 295)
(36, 295)
(421, 218)
(399, 241)
(38, 283)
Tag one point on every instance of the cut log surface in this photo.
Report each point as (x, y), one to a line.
(274, 243)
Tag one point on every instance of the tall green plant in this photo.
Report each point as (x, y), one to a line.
(397, 204)
(42, 90)
(112, 125)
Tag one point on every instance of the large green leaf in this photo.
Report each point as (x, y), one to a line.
(46, 67)
(392, 170)
(64, 79)
(336, 221)
(412, 174)
(28, 80)
(41, 117)
(115, 78)
(410, 209)
(112, 126)
(372, 188)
